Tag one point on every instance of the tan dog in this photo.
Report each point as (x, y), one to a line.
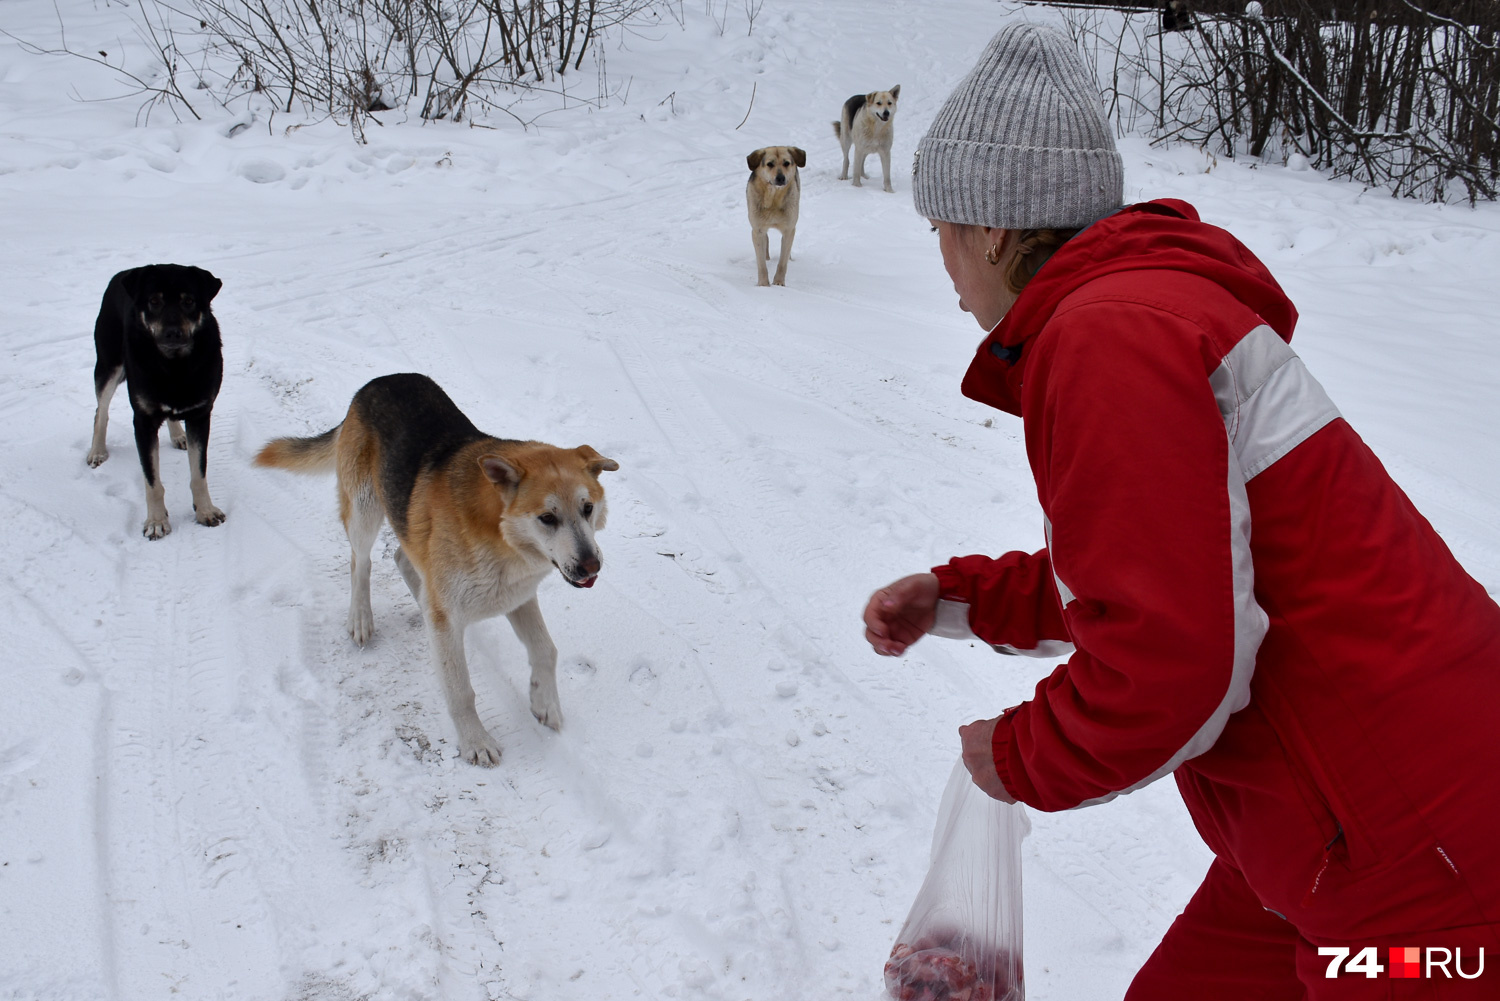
(480, 520)
(773, 195)
(868, 124)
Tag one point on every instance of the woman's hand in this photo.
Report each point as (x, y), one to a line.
(899, 614)
(979, 758)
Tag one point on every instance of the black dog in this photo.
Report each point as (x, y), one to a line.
(155, 329)
(1177, 15)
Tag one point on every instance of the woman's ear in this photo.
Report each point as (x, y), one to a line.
(997, 237)
(997, 243)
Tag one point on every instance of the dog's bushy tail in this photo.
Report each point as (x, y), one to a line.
(838, 130)
(302, 455)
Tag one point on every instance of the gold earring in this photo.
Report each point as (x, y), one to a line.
(993, 254)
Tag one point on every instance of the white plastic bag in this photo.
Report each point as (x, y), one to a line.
(962, 938)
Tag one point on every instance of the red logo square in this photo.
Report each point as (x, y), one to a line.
(1406, 963)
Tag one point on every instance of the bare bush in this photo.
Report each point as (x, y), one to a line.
(1401, 94)
(156, 84)
(351, 58)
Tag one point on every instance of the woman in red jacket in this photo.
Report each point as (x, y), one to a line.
(1251, 603)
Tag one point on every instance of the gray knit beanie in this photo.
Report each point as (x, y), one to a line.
(1021, 143)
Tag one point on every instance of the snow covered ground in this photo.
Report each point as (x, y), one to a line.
(206, 791)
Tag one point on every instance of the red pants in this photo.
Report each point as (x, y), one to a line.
(1226, 947)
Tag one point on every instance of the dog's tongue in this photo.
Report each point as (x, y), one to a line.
(582, 583)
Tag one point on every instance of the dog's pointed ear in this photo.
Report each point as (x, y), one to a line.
(754, 158)
(131, 281)
(597, 463)
(500, 471)
(798, 157)
(208, 285)
(870, 98)
(896, 92)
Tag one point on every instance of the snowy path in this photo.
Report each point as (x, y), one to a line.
(207, 792)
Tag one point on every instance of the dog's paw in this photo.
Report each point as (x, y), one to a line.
(479, 749)
(763, 283)
(547, 710)
(210, 517)
(780, 281)
(180, 440)
(361, 624)
(96, 459)
(858, 183)
(157, 528)
(890, 189)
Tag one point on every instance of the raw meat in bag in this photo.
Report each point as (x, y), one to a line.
(962, 938)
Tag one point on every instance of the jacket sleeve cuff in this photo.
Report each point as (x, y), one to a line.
(952, 585)
(951, 621)
(1000, 745)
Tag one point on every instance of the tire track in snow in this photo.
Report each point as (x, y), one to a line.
(96, 969)
(186, 898)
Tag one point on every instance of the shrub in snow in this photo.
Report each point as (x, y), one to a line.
(1401, 94)
(349, 58)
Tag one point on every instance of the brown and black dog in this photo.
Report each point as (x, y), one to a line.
(481, 520)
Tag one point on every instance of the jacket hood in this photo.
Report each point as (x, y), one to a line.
(1163, 235)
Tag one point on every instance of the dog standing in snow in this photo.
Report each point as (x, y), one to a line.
(773, 195)
(156, 332)
(868, 125)
(480, 520)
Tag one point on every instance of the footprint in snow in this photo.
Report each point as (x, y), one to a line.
(261, 171)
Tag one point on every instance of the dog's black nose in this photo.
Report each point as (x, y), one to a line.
(780, 179)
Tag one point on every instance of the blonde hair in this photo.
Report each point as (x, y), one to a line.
(1032, 249)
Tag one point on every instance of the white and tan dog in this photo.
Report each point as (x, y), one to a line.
(481, 521)
(773, 195)
(868, 125)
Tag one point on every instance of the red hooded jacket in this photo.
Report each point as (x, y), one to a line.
(1254, 605)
